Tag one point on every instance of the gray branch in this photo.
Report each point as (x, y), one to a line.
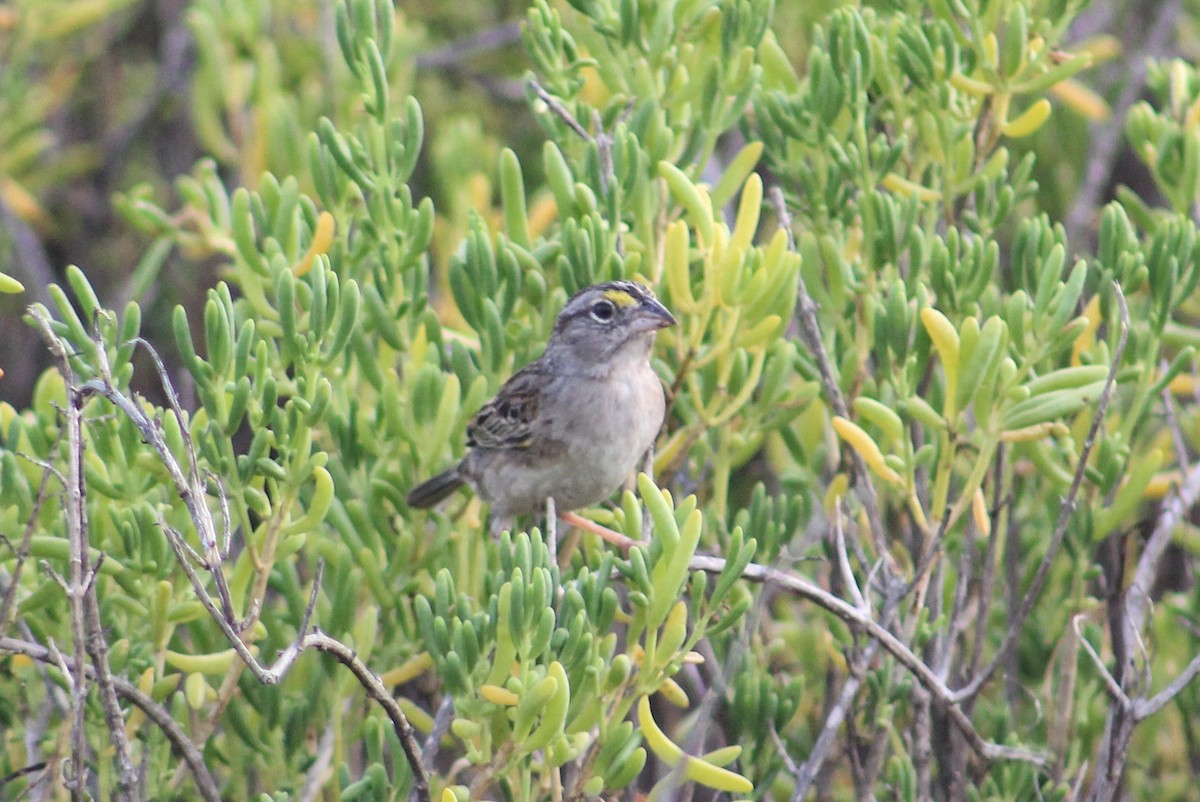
(1066, 510)
(191, 487)
(155, 712)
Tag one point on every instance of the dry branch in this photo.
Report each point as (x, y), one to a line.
(191, 488)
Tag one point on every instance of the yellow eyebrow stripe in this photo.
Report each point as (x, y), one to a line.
(620, 297)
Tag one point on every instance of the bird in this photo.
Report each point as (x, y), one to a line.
(574, 424)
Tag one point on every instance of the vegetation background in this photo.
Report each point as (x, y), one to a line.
(921, 518)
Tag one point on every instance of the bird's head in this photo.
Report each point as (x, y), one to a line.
(608, 322)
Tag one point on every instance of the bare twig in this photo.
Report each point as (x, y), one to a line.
(560, 111)
(1110, 682)
(862, 621)
(155, 712)
(273, 674)
(810, 329)
(1173, 510)
(96, 644)
(604, 144)
(22, 550)
(957, 624)
(858, 619)
(1131, 617)
(86, 628)
(314, 778)
(1077, 786)
(1000, 521)
(601, 140)
(433, 741)
(192, 489)
(839, 542)
(921, 751)
(74, 502)
(32, 768)
(551, 529)
(718, 687)
(1066, 510)
(441, 723)
(616, 538)
(227, 527)
(1144, 708)
(782, 748)
(459, 51)
(806, 774)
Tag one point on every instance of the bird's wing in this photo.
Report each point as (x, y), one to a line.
(507, 420)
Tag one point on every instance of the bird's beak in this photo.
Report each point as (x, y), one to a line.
(653, 316)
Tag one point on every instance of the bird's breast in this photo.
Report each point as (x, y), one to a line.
(614, 421)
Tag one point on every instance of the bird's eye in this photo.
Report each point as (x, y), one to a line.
(603, 311)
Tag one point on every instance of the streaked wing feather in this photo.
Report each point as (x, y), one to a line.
(507, 420)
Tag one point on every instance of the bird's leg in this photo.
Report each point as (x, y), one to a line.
(551, 529)
(615, 538)
(498, 524)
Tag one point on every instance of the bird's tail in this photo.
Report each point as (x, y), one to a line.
(431, 491)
